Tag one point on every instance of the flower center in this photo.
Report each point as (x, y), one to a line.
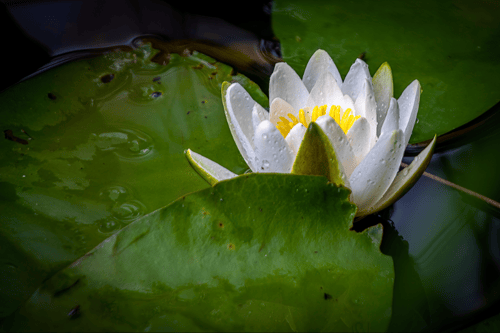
(345, 122)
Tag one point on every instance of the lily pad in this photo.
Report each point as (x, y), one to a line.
(92, 145)
(449, 46)
(260, 252)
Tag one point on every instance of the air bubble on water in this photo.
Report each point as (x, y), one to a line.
(109, 226)
(129, 211)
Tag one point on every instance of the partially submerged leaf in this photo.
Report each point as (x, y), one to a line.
(260, 252)
(94, 144)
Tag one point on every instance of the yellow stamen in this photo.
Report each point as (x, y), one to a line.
(284, 120)
(345, 122)
(302, 117)
(294, 119)
(335, 113)
(352, 119)
(345, 119)
(322, 110)
(314, 115)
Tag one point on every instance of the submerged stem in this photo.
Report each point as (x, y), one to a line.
(458, 187)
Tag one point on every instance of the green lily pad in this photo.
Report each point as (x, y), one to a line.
(92, 145)
(449, 46)
(260, 252)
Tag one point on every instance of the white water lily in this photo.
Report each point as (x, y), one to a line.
(354, 132)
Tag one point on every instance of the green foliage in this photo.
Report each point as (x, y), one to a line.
(92, 145)
(260, 252)
(449, 46)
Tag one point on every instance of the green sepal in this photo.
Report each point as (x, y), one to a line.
(383, 89)
(317, 157)
(210, 171)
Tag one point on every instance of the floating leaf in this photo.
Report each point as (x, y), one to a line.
(260, 252)
(449, 46)
(92, 145)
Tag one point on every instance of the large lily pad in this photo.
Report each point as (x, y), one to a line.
(260, 252)
(450, 46)
(92, 145)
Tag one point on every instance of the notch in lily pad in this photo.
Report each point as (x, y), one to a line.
(317, 157)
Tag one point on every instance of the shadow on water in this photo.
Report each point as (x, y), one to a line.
(49, 33)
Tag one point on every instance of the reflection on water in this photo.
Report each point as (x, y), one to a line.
(453, 237)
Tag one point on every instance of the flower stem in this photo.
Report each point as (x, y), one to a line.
(458, 187)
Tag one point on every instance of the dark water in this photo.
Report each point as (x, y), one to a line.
(445, 244)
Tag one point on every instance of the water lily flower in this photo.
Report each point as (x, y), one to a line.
(352, 131)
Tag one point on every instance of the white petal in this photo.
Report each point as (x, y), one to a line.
(383, 89)
(408, 108)
(366, 106)
(353, 82)
(325, 91)
(294, 138)
(286, 84)
(339, 142)
(280, 108)
(241, 103)
(373, 176)
(263, 113)
(347, 103)
(239, 118)
(359, 136)
(259, 114)
(272, 151)
(320, 63)
(391, 121)
(405, 179)
(208, 169)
